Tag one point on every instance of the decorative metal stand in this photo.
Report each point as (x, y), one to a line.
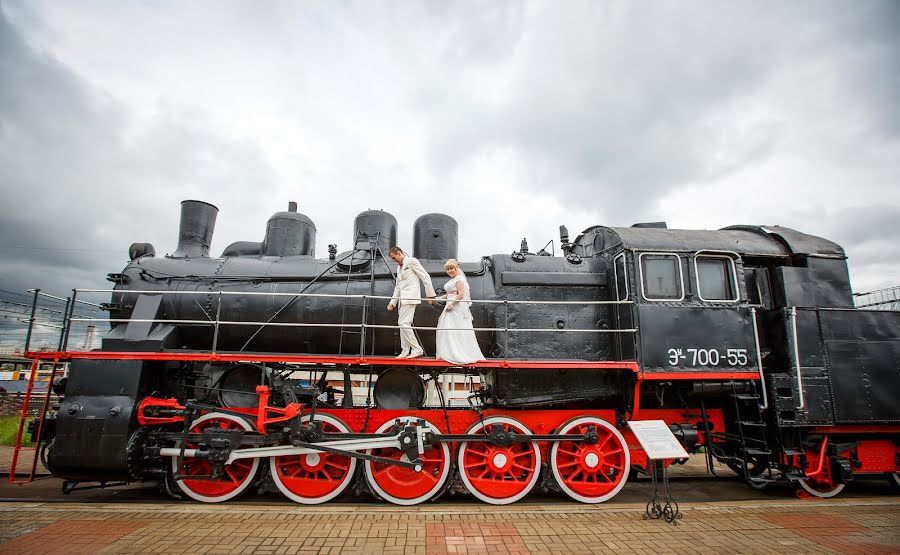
(655, 509)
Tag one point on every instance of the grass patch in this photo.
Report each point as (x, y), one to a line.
(9, 426)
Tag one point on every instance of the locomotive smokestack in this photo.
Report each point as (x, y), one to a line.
(198, 220)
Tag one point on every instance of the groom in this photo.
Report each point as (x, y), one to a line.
(406, 294)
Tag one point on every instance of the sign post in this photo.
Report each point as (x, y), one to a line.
(660, 444)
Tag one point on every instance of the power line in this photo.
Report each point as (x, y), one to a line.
(24, 247)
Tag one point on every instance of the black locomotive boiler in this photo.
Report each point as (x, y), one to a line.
(219, 374)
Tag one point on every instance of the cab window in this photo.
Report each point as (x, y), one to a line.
(661, 277)
(716, 278)
(621, 278)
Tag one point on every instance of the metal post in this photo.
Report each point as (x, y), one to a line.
(67, 324)
(31, 320)
(216, 323)
(506, 330)
(375, 250)
(63, 332)
(347, 402)
(362, 330)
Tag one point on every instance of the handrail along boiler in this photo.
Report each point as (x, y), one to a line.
(218, 374)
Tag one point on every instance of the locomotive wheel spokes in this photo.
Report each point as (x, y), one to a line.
(590, 473)
(820, 485)
(405, 486)
(499, 475)
(238, 475)
(316, 477)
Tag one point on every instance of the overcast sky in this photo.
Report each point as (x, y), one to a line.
(513, 117)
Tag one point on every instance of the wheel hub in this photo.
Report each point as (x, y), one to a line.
(312, 462)
(499, 462)
(591, 460)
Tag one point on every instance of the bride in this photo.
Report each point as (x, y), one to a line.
(456, 341)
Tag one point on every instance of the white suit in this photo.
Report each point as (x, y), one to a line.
(407, 292)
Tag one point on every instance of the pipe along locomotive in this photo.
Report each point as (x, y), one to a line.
(212, 378)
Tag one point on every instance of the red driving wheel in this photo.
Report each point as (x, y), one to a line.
(238, 475)
(405, 486)
(499, 474)
(314, 477)
(590, 472)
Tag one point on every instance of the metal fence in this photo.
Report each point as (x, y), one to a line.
(880, 299)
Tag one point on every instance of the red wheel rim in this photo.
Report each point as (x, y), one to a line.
(405, 486)
(496, 474)
(591, 473)
(315, 477)
(237, 475)
(820, 485)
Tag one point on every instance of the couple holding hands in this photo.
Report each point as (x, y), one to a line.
(456, 341)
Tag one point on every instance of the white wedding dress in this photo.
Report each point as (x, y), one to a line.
(456, 341)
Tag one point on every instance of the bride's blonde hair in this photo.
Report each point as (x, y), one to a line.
(452, 263)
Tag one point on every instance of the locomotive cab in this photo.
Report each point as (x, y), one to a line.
(688, 297)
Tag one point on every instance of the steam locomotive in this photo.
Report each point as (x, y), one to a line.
(219, 374)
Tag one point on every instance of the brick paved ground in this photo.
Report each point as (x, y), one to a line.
(23, 466)
(832, 526)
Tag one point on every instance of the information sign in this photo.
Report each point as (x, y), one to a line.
(657, 440)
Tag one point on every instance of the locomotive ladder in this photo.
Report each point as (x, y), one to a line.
(749, 443)
(752, 431)
(35, 389)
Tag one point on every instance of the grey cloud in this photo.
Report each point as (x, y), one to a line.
(857, 225)
(626, 102)
(81, 184)
(608, 106)
(871, 237)
(869, 65)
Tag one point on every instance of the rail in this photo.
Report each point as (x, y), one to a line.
(880, 299)
(66, 313)
(216, 321)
